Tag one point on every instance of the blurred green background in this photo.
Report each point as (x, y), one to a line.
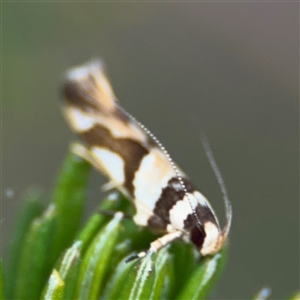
(232, 67)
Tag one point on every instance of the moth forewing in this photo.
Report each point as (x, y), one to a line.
(137, 164)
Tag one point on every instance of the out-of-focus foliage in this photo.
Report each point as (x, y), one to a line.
(54, 256)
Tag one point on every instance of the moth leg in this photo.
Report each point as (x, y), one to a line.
(158, 244)
(81, 151)
(108, 186)
(165, 240)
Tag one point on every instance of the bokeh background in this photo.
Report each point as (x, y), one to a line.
(232, 67)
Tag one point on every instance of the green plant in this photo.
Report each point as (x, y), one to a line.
(54, 256)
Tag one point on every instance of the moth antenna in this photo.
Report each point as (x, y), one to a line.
(217, 172)
(164, 150)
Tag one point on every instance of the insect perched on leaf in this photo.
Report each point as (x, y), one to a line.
(138, 165)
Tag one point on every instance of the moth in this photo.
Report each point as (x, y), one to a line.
(138, 165)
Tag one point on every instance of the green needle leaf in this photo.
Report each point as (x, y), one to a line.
(93, 267)
(186, 260)
(140, 279)
(31, 208)
(63, 279)
(204, 277)
(35, 264)
(164, 275)
(113, 286)
(97, 221)
(55, 287)
(71, 256)
(70, 270)
(1, 282)
(69, 198)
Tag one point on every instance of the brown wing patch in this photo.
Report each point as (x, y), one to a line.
(131, 151)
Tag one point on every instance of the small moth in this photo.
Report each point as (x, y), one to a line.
(138, 165)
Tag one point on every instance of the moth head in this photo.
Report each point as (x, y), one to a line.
(213, 239)
(205, 233)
